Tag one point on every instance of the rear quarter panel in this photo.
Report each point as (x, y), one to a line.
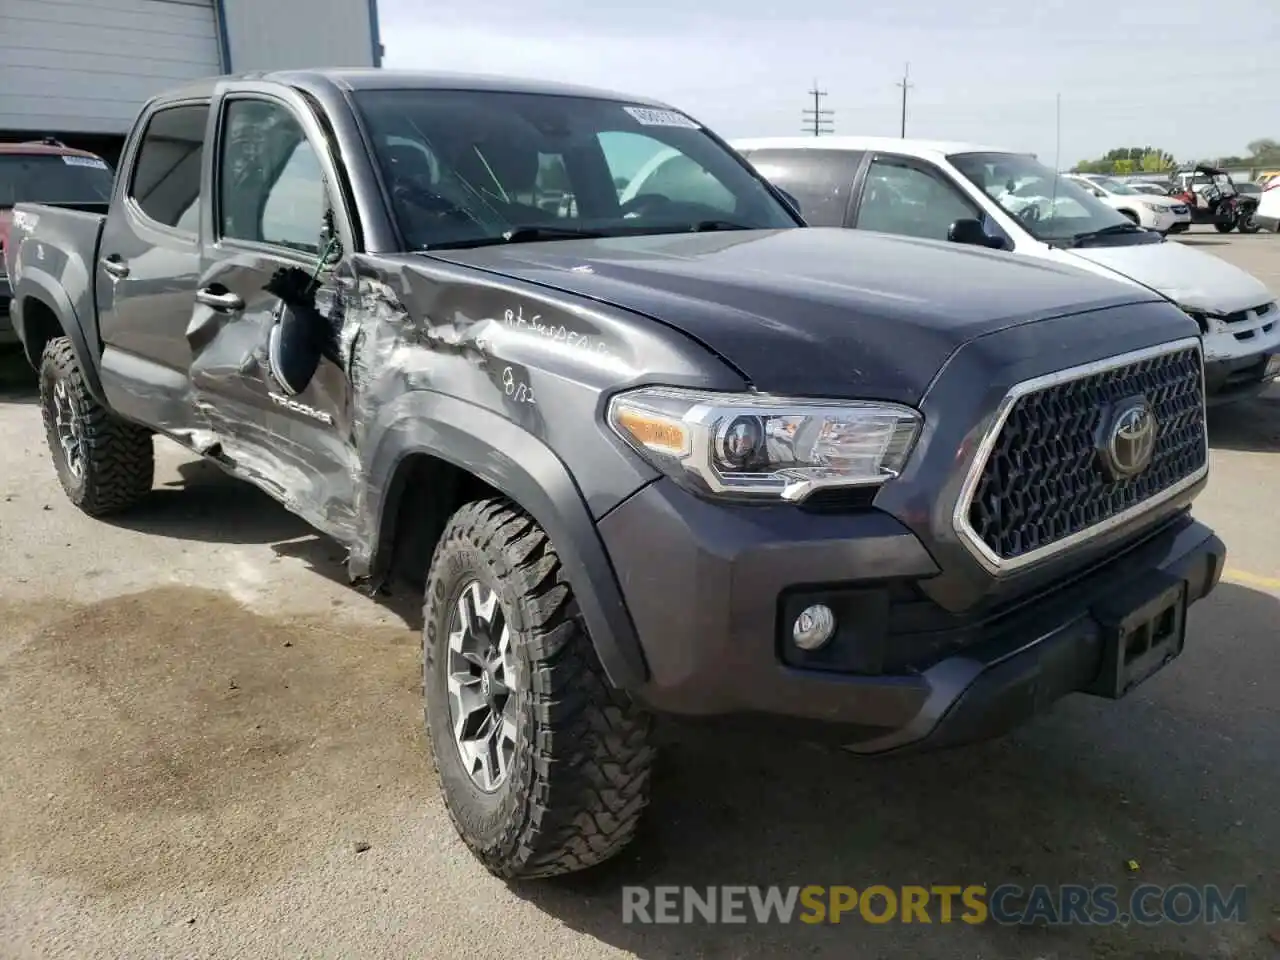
(51, 253)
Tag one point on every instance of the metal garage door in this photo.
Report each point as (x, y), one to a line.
(87, 65)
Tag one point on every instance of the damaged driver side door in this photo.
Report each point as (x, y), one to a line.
(264, 332)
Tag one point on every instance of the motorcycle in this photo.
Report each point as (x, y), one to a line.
(1217, 200)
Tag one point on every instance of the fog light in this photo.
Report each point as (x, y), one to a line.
(1273, 367)
(814, 627)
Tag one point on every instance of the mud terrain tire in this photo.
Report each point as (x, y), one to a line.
(114, 466)
(579, 754)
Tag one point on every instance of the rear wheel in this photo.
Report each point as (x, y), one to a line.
(105, 464)
(1249, 225)
(544, 766)
(1224, 226)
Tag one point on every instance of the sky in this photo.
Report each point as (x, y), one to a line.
(1200, 78)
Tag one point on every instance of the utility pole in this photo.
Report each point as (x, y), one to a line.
(815, 121)
(906, 85)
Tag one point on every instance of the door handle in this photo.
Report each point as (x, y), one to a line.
(115, 266)
(226, 302)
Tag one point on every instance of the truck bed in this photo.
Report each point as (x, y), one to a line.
(55, 247)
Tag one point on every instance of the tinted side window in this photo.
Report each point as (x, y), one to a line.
(271, 187)
(909, 200)
(819, 179)
(166, 175)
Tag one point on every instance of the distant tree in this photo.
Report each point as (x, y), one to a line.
(1095, 166)
(1264, 148)
(1123, 160)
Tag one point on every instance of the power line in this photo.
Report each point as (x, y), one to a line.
(906, 84)
(814, 117)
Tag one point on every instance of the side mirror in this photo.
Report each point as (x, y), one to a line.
(295, 343)
(970, 231)
(791, 201)
(293, 348)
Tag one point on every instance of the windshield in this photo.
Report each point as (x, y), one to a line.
(1047, 205)
(49, 178)
(470, 167)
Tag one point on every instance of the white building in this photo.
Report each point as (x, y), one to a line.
(79, 70)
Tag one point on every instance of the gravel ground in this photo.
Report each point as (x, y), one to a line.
(210, 746)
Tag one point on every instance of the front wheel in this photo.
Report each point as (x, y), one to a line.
(104, 464)
(1248, 225)
(1224, 226)
(543, 765)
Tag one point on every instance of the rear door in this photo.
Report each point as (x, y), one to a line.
(149, 264)
(272, 193)
(820, 180)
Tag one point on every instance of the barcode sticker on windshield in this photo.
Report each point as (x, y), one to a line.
(649, 117)
(85, 162)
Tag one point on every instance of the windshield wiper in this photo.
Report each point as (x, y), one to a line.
(521, 234)
(524, 234)
(704, 225)
(1115, 228)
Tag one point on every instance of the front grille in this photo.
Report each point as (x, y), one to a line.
(1042, 484)
(1178, 209)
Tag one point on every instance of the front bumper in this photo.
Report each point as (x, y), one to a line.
(1164, 222)
(1229, 381)
(713, 591)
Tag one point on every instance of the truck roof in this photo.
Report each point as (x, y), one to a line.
(378, 78)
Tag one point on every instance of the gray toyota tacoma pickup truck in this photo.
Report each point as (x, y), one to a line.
(678, 454)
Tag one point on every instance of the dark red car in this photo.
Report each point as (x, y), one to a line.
(43, 171)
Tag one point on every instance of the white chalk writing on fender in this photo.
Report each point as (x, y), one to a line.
(517, 390)
(556, 333)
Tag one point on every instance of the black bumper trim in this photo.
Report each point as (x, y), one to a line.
(978, 696)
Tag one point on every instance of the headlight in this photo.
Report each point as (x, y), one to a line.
(764, 447)
(1155, 207)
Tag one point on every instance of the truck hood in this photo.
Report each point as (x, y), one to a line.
(811, 311)
(1189, 277)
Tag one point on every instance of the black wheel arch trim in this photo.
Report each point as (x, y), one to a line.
(520, 466)
(41, 287)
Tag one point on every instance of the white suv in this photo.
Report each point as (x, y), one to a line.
(1163, 214)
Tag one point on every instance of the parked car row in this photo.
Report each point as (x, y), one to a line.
(664, 448)
(1213, 195)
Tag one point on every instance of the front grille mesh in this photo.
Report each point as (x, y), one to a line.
(1044, 480)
